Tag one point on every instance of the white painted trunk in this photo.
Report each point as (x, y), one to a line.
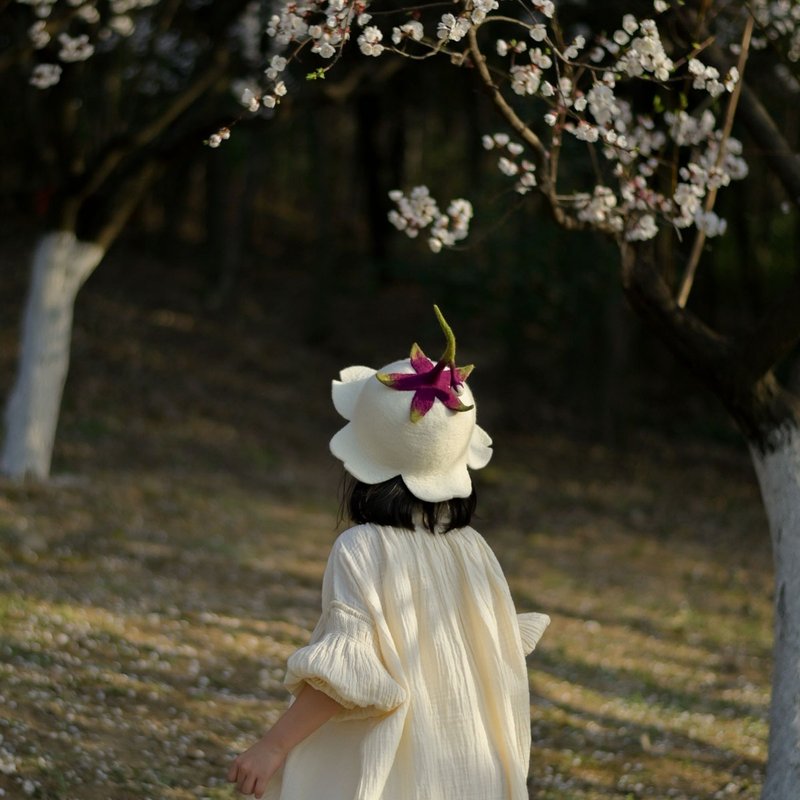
(779, 477)
(61, 264)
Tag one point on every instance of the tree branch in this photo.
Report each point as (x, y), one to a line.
(702, 348)
(508, 113)
(546, 184)
(131, 193)
(145, 136)
(777, 332)
(783, 161)
(697, 248)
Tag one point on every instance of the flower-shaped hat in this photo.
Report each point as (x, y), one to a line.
(412, 418)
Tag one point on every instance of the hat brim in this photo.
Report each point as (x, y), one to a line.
(435, 488)
(345, 392)
(344, 445)
(480, 449)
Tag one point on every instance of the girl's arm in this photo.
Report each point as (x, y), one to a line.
(252, 769)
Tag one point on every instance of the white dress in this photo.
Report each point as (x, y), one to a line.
(420, 642)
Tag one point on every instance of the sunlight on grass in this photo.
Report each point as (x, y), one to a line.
(145, 622)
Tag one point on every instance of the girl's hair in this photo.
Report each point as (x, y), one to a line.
(391, 503)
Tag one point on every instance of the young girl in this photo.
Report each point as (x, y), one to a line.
(414, 684)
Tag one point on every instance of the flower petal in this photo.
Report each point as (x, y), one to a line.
(421, 403)
(454, 403)
(419, 360)
(462, 373)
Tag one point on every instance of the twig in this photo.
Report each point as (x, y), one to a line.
(687, 281)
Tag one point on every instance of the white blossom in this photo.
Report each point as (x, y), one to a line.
(646, 54)
(418, 210)
(538, 32)
(122, 25)
(710, 223)
(643, 229)
(410, 30)
(369, 42)
(578, 43)
(216, 139)
(451, 28)
(688, 130)
(38, 34)
(75, 48)
(542, 60)
(731, 79)
(584, 131)
(600, 208)
(507, 167)
(249, 99)
(602, 102)
(88, 13)
(481, 8)
(629, 24)
(288, 26)
(45, 75)
(621, 38)
(277, 65)
(525, 80)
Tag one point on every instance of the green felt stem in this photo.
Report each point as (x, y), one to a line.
(449, 355)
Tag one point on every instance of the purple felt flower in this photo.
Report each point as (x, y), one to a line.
(429, 381)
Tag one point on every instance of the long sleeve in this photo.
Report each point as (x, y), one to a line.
(344, 662)
(344, 658)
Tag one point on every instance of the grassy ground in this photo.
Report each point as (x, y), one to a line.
(150, 594)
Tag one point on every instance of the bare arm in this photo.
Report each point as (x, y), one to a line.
(252, 770)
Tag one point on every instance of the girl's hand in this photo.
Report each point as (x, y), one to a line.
(252, 770)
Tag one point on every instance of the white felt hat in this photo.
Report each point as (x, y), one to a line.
(413, 419)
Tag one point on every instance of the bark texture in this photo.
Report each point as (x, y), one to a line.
(61, 264)
(779, 478)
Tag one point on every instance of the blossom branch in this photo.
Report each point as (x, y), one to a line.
(530, 138)
(687, 281)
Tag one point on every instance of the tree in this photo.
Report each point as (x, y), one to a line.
(649, 109)
(118, 89)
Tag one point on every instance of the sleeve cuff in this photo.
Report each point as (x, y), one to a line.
(531, 628)
(345, 665)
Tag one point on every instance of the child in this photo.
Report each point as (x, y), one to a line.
(414, 685)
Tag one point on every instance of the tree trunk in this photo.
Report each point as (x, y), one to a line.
(61, 264)
(779, 478)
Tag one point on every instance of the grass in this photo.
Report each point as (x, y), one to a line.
(145, 626)
(151, 593)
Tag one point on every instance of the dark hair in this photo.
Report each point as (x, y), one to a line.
(391, 503)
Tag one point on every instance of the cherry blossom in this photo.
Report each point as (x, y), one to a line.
(410, 30)
(45, 75)
(369, 41)
(452, 28)
(418, 210)
(578, 88)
